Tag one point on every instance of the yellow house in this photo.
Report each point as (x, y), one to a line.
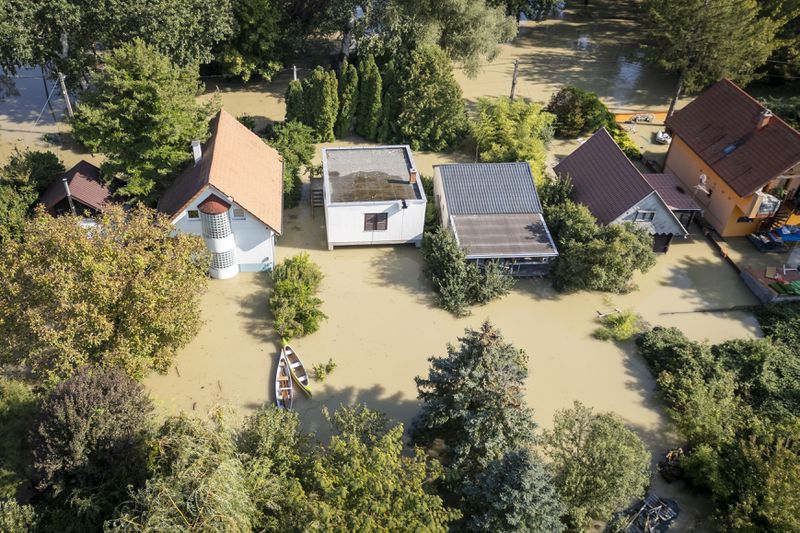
(739, 162)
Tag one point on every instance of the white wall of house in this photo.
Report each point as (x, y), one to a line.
(664, 221)
(255, 242)
(441, 202)
(345, 223)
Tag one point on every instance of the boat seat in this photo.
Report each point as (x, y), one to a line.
(283, 378)
(285, 388)
(295, 365)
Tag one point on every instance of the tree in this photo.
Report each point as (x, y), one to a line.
(390, 102)
(295, 102)
(255, 47)
(321, 103)
(141, 113)
(432, 114)
(786, 108)
(294, 302)
(515, 493)
(199, 483)
(348, 99)
(460, 283)
(533, 9)
(18, 407)
(599, 464)
(578, 112)
(513, 130)
(785, 60)
(125, 296)
(89, 444)
(473, 399)
(368, 109)
(781, 323)
(16, 518)
(703, 41)
(295, 142)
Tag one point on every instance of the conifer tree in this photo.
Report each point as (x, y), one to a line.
(321, 103)
(387, 131)
(348, 99)
(369, 99)
(295, 102)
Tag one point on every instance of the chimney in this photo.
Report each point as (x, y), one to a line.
(763, 119)
(69, 195)
(197, 152)
(412, 175)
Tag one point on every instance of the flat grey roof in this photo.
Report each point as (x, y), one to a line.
(506, 235)
(370, 174)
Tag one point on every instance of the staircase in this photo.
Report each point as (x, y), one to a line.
(317, 193)
(778, 220)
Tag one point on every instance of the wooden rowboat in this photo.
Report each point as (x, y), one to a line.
(297, 368)
(284, 393)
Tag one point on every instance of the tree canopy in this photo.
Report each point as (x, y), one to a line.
(126, 295)
(294, 302)
(140, 112)
(295, 142)
(255, 46)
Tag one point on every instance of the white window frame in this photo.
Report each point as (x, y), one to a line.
(237, 213)
(189, 214)
(640, 218)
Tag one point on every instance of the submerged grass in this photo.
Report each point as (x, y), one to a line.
(619, 326)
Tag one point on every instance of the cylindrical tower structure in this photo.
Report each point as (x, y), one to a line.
(218, 237)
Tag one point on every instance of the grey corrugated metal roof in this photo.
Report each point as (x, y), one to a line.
(503, 236)
(489, 188)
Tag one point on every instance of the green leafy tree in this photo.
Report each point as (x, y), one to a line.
(784, 63)
(473, 400)
(125, 296)
(368, 109)
(294, 302)
(460, 283)
(515, 493)
(16, 518)
(703, 41)
(18, 407)
(89, 444)
(781, 323)
(348, 99)
(432, 114)
(295, 102)
(600, 465)
(578, 112)
(255, 47)
(295, 142)
(513, 130)
(321, 103)
(141, 113)
(532, 9)
(626, 144)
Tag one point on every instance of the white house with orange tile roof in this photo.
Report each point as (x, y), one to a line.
(232, 196)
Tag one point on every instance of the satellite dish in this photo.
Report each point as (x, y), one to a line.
(703, 179)
(702, 185)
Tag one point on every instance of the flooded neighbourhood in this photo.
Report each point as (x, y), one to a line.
(383, 323)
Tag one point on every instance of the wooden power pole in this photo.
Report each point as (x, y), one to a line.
(514, 79)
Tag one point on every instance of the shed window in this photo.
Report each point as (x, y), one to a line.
(376, 221)
(645, 216)
(193, 214)
(237, 213)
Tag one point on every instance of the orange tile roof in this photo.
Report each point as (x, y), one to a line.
(239, 164)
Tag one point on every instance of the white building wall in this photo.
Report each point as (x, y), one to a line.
(255, 242)
(345, 223)
(664, 221)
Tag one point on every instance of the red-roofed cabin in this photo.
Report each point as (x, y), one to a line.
(740, 162)
(80, 191)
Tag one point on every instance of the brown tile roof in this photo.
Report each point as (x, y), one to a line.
(605, 180)
(724, 119)
(241, 166)
(213, 205)
(85, 186)
(673, 192)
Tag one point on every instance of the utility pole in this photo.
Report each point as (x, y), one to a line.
(66, 94)
(514, 79)
(294, 72)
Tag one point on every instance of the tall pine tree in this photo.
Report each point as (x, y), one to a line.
(348, 98)
(295, 102)
(387, 131)
(369, 99)
(320, 91)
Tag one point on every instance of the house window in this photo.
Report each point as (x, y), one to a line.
(645, 216)
(193, 214)
(376, 221)
(743, 220)
(237, 213)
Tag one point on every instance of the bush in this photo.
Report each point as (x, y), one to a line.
(625, 143)
(578, 112)
(619, 326)
(295, 142)
(322, 370)
(460, 283)
(781, 323)
(294, 302)
(431, 212)
(89, 445)
(18, 408)
(248, 121)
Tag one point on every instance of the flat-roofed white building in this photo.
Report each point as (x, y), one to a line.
(373, 195)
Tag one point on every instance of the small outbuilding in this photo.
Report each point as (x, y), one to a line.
(80, 191)
(372, 195)
(494, 213)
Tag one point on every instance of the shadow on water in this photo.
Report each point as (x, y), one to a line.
(254, 309)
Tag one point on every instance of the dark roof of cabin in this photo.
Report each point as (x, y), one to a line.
(604, 178)
(85, 186)
(720, 126)
(489, 188)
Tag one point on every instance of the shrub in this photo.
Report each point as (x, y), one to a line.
(294, 302)
(248, 121)
(619, 326)
(781, 323)
(625, 143)
(578, 112)
(89, 444)
(18, 408)
(16, 518)
(322, 370)
(431, 212)
(460, 283)
(295, 142)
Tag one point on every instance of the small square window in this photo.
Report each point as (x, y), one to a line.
(237, 213)
(376, 221)
(193, 214)
(645, 216)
